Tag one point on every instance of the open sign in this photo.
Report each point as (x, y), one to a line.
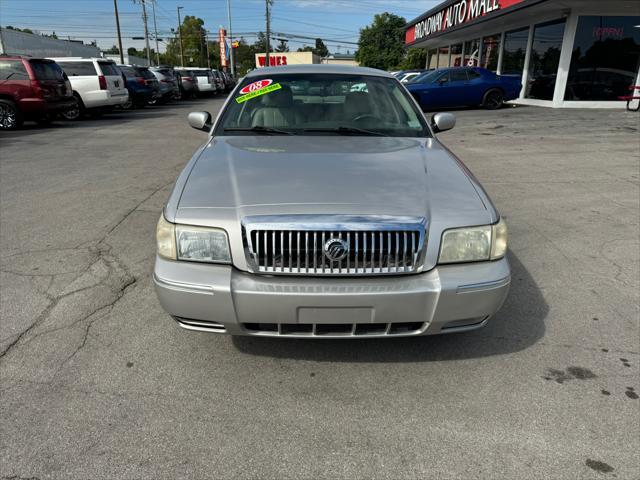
(252, 87)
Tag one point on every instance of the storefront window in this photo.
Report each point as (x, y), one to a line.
(456, 55)
(514, 50)
(472, 53)
(443, 57)
(545, 57)
(490, 50)
(432, 60)
(605, 58)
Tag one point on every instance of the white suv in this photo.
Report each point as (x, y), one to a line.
(97, 84)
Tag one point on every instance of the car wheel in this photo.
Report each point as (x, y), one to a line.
(493, 100)
(128, 105)
(10, 117)
(75, 112)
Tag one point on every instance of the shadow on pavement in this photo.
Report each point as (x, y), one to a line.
(517, 326)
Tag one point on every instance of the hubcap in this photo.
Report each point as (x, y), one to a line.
(72, 114)
(7, 117)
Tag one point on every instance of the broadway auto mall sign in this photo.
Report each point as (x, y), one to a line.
(458, 13)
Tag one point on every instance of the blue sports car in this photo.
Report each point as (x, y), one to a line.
(463, 86)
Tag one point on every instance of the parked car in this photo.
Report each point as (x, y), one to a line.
(229, 83)
(141, 90)
(186, 83)
(32, 89)
(167, 83)
(97, 85)
(219, 81)
(464, 86)
(405, 76)
(337, 216)
(203, 78)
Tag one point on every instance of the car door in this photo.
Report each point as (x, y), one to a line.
(476, 87)
(453, 88)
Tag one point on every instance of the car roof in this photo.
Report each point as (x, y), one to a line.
(80, 59)
(319, 68)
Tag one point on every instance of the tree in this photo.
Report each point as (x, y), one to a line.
(415, 58)
(381, 44)
(261, 43)
(245, 56)
(321, 49)
(193, 43)
(25, 30)
(282, 46)
(113, 50)
(306, 48)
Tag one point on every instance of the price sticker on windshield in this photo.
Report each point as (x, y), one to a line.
(252, 87)
(256, 89)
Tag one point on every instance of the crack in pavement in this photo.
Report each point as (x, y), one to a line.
(102, 254)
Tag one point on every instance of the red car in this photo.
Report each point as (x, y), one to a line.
(32, 89)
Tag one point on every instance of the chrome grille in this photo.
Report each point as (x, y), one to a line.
(375, 247)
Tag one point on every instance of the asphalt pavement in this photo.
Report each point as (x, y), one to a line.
(96, 381)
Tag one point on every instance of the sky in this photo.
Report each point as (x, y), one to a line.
(336, 21)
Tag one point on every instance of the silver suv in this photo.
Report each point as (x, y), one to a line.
(323, 205)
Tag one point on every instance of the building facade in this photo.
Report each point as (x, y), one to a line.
(568, 53)
(13, 42)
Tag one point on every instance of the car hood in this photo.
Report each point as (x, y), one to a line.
(252, 175)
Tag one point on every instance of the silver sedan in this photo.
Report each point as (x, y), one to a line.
(322, 205)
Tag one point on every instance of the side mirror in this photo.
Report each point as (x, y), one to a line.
(200, 120)
(442, 81)
(441, 122)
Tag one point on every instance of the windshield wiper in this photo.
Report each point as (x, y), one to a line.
(347, 131)
(258, 129)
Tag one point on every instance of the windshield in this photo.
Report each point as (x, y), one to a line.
(321, 104)
(427, 77)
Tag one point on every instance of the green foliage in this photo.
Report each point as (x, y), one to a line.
(381, 44)
(245, 57)
(193, 43)
(113, 50)
(321, 49)
(282, 46)
(415, 58)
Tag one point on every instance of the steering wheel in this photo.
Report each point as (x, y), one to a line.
(365, 116)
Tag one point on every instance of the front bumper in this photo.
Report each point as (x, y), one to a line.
(222, 299)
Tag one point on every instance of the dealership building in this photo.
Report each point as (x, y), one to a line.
(569, 53)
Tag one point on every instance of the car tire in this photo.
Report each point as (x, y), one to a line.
(76, 112)
(493, 100)
(10, 116)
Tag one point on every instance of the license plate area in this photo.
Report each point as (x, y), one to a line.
(335, 315)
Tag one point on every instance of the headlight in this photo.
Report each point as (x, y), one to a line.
(194, 244)
(166, 239)
(474, 244)
(201, 244)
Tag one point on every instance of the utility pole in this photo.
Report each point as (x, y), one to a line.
(155, 29)
(180, 37)
(206, 41)
(231, 54)
(266, 60)
(146, 31)
(115, 9)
